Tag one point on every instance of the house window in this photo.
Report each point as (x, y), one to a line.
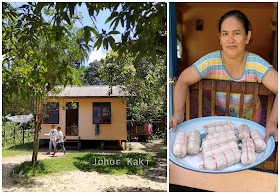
(102, 112)
(52, 113)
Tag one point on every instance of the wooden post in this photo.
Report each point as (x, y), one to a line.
(14, 136)
(200, 97)
(22, 135)
(276, 161)
(227, 99)
(213, 98)
(125, 145)
(173, 101)
(173, 81)
(243, 87)
(79, 143)
(256, 92)
(269, 105)
(4, 137)
(188, 104)
(102, 145)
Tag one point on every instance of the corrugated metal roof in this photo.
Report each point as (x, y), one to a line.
(90, 91)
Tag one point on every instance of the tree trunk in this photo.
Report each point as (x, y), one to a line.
(35, 142)
(38, 119)
(38, 122)
(23, 134)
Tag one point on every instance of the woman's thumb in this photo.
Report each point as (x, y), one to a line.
(174, 127)
(266, 137)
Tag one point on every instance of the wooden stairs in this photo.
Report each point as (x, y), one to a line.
(73, 144)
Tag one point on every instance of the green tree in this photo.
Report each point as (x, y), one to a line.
(36, 57)
(141, 78)
(144, 24)
(90, 75)
(33, 64)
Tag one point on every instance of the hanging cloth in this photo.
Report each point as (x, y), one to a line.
(96, 129)
(128, 127)
(131, 126)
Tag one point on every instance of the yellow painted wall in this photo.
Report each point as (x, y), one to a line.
(199, 43)
(114, 131)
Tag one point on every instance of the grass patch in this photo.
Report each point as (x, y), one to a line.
(18, 149)
(114, 164)
(87, 162)
(10, 153)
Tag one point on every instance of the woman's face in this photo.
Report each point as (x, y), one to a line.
(233, 37)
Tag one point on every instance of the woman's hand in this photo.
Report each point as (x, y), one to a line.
(175, 120)
(188, 77)
(271, 129)
(270, 81)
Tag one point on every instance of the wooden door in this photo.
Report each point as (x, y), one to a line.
(72, 116)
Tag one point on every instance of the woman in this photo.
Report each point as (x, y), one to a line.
(234, 63)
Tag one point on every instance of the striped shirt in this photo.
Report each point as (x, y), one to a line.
(211, 66)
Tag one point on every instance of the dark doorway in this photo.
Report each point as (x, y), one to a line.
(72, 118)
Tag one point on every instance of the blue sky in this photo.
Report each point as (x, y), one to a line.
(100, 23)
(86, 21)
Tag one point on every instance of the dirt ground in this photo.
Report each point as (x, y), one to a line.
(153, 179)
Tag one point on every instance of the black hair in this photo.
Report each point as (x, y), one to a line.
(59, 128)
(240, 16)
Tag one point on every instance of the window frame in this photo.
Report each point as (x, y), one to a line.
(48, 112)
(108, 110)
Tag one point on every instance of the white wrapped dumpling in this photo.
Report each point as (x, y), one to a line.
(218, 140)
(219, 134)
(225, 146)
(218, 123)
(220, 128)
(248, 156)
(180, 145)
(258, 140)
(244, 131)
(222, 160)
(194, 140)
(230, 144)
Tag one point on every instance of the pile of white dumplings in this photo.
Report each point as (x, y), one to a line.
(219, 149)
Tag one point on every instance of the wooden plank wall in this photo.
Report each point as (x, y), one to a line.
(114, 131)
